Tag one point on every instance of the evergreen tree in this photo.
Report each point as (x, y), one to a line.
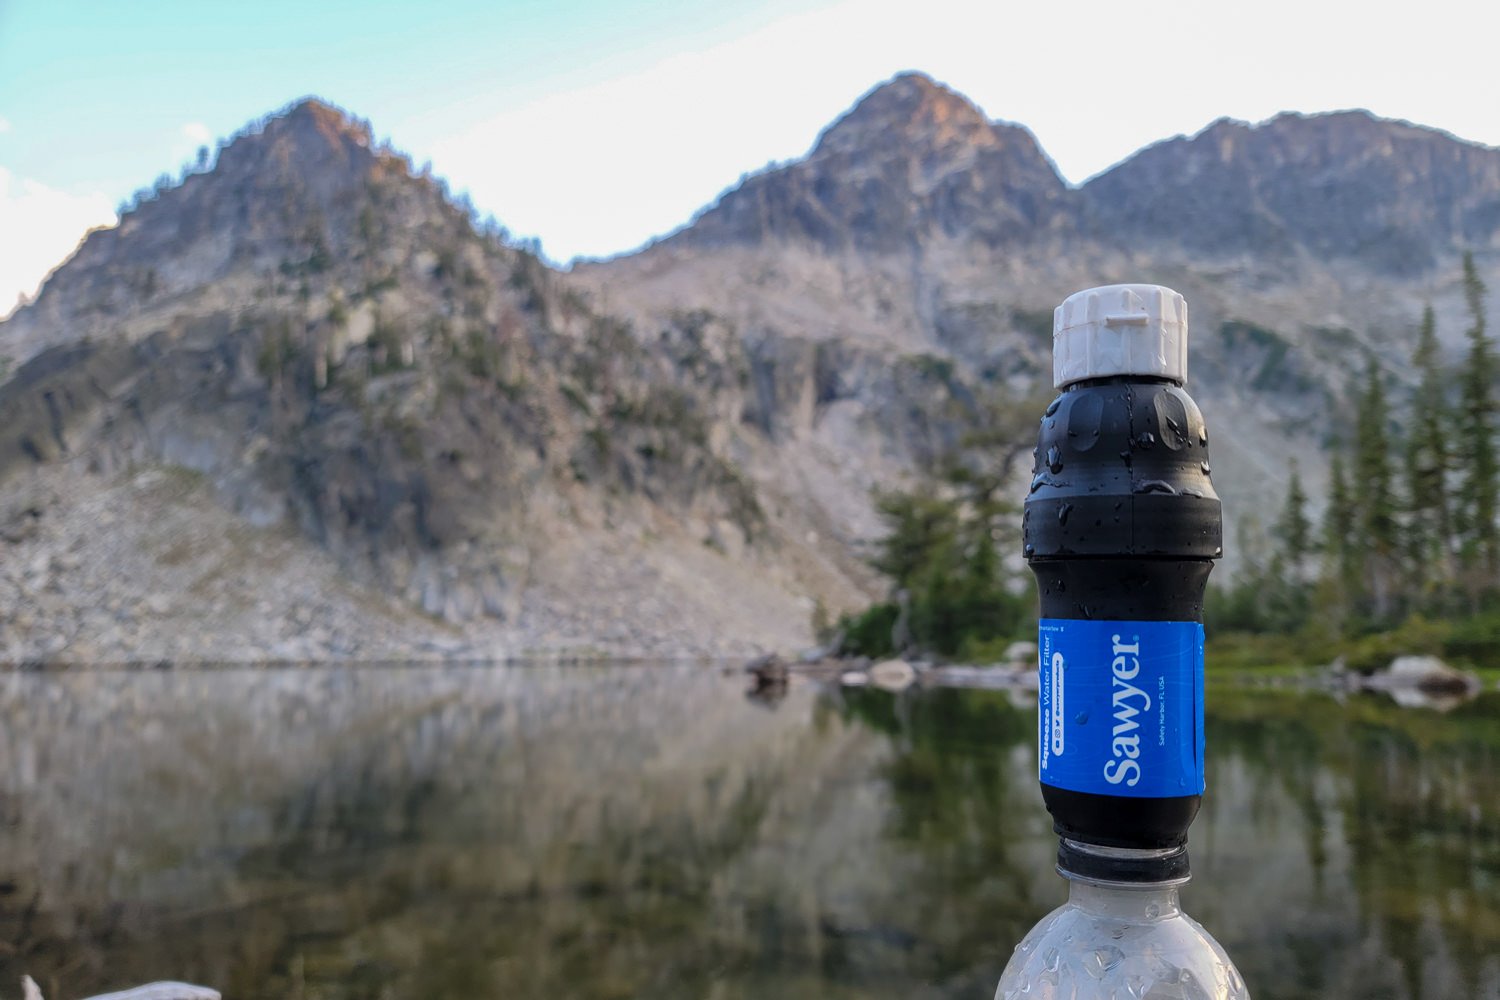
(1374, 498)
(1480, 542)
(1283, 586)
(1429, 522)
(917, 525)
(1293, 531)
(1342, 562)
(951, 593)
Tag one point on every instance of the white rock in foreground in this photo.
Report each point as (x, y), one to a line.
(151, 991)
(163, 991)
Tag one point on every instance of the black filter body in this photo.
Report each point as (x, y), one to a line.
(1122, 524)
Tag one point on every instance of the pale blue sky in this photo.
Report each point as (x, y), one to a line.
(596, 125)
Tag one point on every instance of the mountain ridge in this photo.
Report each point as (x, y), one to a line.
(674, 449)
(793, 200)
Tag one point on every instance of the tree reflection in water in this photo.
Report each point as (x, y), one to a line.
(647, 832)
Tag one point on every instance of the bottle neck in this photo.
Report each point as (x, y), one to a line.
(1136, 903)
(1128, 866)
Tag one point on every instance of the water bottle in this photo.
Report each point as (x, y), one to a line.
(1121, 528)
(1122, 942)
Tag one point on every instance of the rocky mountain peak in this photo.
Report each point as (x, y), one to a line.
(912, 161)
(1337, 138)
(911, 109)
(309, 142)
(1394, 196)
(287, 194)
(315, 113)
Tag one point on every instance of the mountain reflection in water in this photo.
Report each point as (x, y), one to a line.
(625, 832)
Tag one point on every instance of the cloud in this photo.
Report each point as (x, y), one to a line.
(197, 133)
(603, 167)
(4, 125)
(47, 225)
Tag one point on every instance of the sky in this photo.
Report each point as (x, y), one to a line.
(595, 125)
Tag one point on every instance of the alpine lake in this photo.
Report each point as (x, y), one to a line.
(657, 831)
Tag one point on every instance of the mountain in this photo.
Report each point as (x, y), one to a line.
(910, 162)
(451, 449)
(913, 161)
(1300, 243)
(1391, 197)
(332, 348)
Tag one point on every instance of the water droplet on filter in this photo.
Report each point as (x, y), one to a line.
(1063, 512)
(1061, 587)
(1236, 984)
(1038, 481)
(1203, 436)
(1051, 959)
(1205, 467)
(1054, 459)
(1145, 439)
(1051, 424)
(1152, 911)
(1155, 486)
(1030, 549)
(1082, 718)
(1052, 407)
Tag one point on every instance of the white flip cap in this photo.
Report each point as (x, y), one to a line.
(1120, 330)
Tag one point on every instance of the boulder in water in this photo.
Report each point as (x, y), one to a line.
(1423, 673)
(892, 675)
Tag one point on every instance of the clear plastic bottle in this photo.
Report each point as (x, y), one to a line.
(1120, 942)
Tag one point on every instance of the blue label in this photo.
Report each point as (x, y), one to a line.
(1121, 707)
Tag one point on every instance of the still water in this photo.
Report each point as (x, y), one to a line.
(652, 832)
